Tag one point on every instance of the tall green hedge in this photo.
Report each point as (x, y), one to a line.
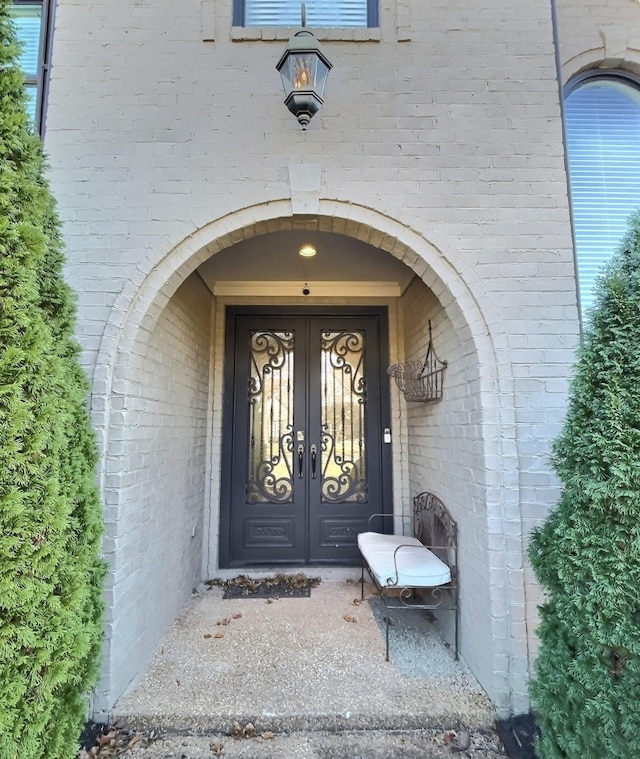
(587, 554)
(50, 523)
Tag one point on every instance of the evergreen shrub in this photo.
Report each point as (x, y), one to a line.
(50, 523)
(587, 554)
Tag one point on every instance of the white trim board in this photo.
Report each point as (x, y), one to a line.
(316, 289)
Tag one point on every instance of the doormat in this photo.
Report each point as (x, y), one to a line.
(278, 586)
(518, 735)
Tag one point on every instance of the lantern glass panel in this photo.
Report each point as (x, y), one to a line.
(303, 67)
(322, 71)
(303, 71)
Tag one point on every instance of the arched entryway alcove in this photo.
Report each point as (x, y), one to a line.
(160, 395)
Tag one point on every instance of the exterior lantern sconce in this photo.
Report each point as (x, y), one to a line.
(304, 69)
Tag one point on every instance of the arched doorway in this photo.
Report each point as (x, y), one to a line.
(148, 394)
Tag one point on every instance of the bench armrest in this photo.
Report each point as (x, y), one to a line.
(404, 521)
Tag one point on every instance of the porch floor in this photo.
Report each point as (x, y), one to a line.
(303, 665)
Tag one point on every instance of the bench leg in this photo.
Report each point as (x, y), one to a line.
(387, 655)
(387, 622)
(457, 613)
(362, 583)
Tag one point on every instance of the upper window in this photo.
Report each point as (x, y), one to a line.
(602, 114)
(32, 22)
(320, 13)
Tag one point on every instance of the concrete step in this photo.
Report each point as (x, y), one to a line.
(310, 671)
(435, 743)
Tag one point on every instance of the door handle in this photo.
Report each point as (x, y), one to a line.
(314, 454)
(300, 461)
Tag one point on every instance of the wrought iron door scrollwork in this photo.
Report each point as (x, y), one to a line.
(270, 399)
(267, 485)
(269, 351)
(343, 424)
(342, 479)
(345, 351)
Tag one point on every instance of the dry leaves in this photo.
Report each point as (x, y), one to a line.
(111, 743)
(247, 586)
(349, 618)
(457, 740)
(249, 731)
(242, 731)
(224, 622)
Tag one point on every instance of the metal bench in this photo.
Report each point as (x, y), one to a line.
(418, 570)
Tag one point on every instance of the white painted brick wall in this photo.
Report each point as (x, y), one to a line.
(452, 134)
(446, 456)
(163, 132)
(155, 542)
(599, 34)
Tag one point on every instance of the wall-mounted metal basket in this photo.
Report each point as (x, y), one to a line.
(420, 381)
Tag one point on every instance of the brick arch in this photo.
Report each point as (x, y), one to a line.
(596, 60)
(139, 305)
(143, 298)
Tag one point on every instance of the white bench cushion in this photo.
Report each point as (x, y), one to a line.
(417, 566)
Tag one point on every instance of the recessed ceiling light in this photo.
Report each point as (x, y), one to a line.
(307, 251)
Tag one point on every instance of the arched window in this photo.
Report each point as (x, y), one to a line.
(602, 115)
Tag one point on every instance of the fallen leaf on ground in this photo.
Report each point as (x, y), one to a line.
(106, 738)
(219, 635)
(268, 735)
(349, 618)
(461, 740)
(248, 730)
(237, 616)
(207, 636)
(217, 748)
(356, 601)
(223, 622)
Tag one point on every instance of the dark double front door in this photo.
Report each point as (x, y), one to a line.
(305, 458)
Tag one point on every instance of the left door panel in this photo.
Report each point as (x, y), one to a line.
(267, 480)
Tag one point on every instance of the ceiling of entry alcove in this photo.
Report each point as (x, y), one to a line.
(274, 258)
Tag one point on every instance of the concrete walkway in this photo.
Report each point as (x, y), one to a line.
(310, 675)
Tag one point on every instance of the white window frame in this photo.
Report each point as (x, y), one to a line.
(41, 79)
(372, 15)
(584, 282)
